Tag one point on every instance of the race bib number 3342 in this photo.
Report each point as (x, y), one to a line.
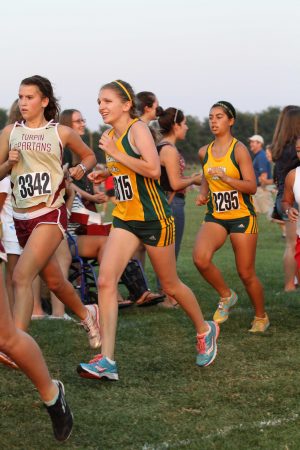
(226, 201)
(34, 184)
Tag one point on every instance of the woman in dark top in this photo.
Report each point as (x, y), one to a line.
(173, 128)
(285, 157)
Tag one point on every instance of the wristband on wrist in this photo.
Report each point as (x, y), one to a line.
(287, 211)
(82, 167)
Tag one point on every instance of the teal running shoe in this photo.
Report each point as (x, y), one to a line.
(224, 306)
(207, 345)
(98, 367)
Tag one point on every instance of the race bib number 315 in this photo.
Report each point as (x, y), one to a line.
(123, 188)
(226, 201)
(34, 184)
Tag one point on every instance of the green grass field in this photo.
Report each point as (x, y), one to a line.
(248, 399)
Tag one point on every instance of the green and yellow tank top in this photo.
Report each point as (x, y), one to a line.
(224, 201)
(138, 197)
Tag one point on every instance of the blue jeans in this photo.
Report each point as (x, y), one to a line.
(177, 206)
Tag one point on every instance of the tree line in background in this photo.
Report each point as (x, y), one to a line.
(199, 134)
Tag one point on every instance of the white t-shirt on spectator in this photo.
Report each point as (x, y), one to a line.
(8, 226)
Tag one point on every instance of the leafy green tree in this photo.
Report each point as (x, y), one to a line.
(100, 155)
(3, 118)
(189, 147)
(246, 125)
(266, 122)
(199, 133)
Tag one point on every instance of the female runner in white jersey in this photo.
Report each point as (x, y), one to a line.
(32, 152)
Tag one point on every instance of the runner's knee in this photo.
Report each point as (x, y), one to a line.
(8, 339)
(106, 281)
(201, 260)
(170, 287)
(19, 279)
(55, 284)
(246, 275)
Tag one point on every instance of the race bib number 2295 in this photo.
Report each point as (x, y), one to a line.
(226, 201)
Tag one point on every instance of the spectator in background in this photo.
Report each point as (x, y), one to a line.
(73, 118)
(91, 246)
(285, 157)
(291, 196)
(109, 192)
(147, 106)
(173, 128)
(274, 216)
(263, 200)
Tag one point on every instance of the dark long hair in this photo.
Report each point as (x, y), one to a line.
(44, 85)
(144, 98)
(288, 132)
(168, 118)
(227, 107)
(65, 117)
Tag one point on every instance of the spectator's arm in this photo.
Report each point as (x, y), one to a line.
(264, 180)
(288, 198)
(3, 196)
(98, 197)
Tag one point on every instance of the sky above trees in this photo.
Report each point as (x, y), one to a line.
(189, 53)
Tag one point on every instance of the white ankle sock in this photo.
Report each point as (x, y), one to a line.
(110, 360)
(54, 400)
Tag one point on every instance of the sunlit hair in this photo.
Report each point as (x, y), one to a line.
(14, 114)
(288, 132)
(123, 87)
(227, 107)
(144, 98)
(65, 117)
(156, 134)
(44, 85)
(167, 118)
(125, 95)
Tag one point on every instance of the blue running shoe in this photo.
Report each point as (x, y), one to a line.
(98, 367)
(207, 345)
